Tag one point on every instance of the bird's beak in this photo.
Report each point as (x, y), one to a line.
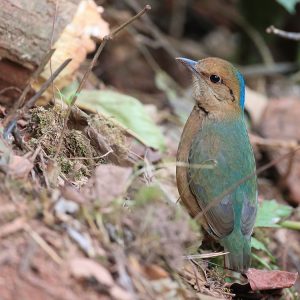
(190, 64)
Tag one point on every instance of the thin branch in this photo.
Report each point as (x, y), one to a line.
(10, 88)
(273, 143)
(44, 245)
(154, 30)
(21, 99)
(47, 83)
(112, 35)
(284, 34)
(204, 255)
(51, 44)
(178, 18)
(11, 119)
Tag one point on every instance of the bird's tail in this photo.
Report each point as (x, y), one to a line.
(239, 248)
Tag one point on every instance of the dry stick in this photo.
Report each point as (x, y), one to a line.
(273, 143)
(10, 88)
(155, 32)
(34, 76)
(218, 199)
(178, 18)
(284, 34)
(88, 71)
(46, 84)
(51, 43)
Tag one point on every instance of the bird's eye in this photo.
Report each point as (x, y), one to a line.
(214, 78)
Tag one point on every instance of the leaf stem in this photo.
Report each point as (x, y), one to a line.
(294, 225)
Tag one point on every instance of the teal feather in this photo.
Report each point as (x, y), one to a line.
(241, 80)
(231, 221)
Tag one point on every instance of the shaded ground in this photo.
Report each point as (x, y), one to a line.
(101, 220)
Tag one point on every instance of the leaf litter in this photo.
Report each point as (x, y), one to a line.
(102, 223)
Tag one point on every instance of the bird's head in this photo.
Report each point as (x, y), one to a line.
(219, 87)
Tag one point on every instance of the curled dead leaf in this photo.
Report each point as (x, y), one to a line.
(84, 268)
(110, 182)
(120, 294)
(268, 280)
(155, 272)
(19, 166)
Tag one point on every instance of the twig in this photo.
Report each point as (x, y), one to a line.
(21, 99)
(11, 119)
(10, 88)
(206, 255)
(284, 34)
(12, 227)
(178, 18)
(51, 44)
(28, 256)
(88, 71)
(47, 83)
(44, 245)
(43, 168)
(273, 143)
(196, 276)
(155, 32)
(276, 143)
(93, 158)
(269, 70)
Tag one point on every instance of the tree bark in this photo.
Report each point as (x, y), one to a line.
(25, 37)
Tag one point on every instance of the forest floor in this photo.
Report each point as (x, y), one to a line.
(90, 211)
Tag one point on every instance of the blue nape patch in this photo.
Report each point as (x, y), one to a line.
(242, 88)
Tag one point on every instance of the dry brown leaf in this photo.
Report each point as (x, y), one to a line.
(12, 227)
(255, 105)
(71, 193)
(84, 268)
(269, 280)
(19, 166)
(119, 294)
(110, 182)
(154, 272)
(281, 121)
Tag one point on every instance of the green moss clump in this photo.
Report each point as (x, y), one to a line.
(76, 155)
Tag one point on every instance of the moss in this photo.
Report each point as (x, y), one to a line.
(78, 144)
(46, 121)
(45, 127)
(66, 165)
(114, 134)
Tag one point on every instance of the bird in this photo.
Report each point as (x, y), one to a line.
(216, 169)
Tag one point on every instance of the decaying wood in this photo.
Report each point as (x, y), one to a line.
(26, 28)
(26, 35)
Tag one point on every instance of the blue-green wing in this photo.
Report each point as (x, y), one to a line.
(234, 161)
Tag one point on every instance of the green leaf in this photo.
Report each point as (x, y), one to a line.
(125, 110)
(261, 261)
(270, 212)
(68, 92)
(289, 5)
(258, 245)
(147, 194)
